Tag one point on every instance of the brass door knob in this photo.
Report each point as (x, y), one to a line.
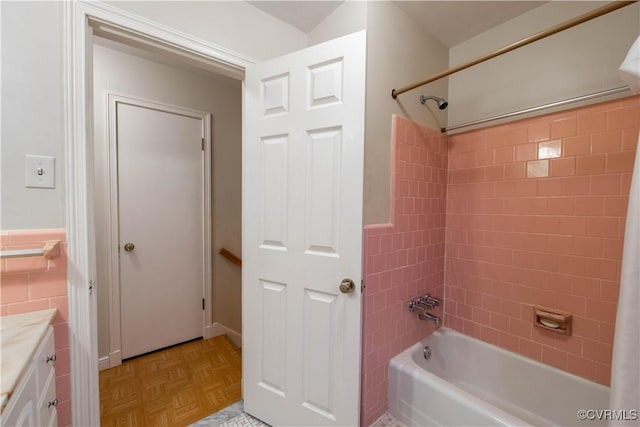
(129, 247)
(347, 286)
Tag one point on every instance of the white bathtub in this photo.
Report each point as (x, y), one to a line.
(467, 382)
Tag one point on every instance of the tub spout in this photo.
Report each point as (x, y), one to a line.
(428, 316)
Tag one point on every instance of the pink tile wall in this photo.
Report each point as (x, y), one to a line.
(30, 284)
(535, 216)
(403, 259)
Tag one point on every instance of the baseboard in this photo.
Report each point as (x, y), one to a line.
(218, 329)
(111, 361)
(103, 363)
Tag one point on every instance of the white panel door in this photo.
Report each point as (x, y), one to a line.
(303, 145)
(160, 201)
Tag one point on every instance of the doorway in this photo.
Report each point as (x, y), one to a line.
(161, 83)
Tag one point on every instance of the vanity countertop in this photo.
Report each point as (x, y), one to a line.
(20, 335)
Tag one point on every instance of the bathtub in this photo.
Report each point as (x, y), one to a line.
(467, 382)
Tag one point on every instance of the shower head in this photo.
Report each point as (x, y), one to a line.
(442, 103)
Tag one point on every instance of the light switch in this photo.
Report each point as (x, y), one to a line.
(39, 171)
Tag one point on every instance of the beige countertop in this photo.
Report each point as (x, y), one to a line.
(20, 335)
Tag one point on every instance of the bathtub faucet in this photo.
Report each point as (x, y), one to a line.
(428, 316)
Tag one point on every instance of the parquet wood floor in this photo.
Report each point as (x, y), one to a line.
(172, 387)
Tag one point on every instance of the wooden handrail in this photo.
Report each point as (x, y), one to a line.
(231, 257)
(615, 5)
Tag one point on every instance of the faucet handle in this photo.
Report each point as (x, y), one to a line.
(435, 301)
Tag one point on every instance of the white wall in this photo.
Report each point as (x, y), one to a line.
(399, 52)
(32, 119)
(349, 17)
(235, 25)
(578, 61)
(130, 75)
(32, 83)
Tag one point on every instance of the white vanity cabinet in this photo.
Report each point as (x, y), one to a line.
(33, 401)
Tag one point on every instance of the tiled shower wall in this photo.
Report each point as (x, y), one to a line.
(536, 216)
(33, 283)
(403, 259)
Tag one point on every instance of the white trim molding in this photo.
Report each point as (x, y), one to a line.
(112, 100)
(218, 329)
(78, 106)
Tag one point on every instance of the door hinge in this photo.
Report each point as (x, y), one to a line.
(203, 303)
(202, 145)
(91, 285)
(362, 286)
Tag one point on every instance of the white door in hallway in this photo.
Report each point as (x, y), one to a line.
(160, 215)
(303, 143)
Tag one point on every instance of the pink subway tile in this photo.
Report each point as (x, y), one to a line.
(562, 167)
(616, 205)
(515, 170)
(516, 135)
(602, 226)
(549, 186)
(575, 186)
(531, 349)
(554, 357)
(580, 366)
(606, 269)
(550, 149)
(609, 291)
(590, 165)
(25, 307)
(590, 123)
(585, 287)
(52, 283)
(606, 185)
(613, 248)
(538, 169)
(602, 311)
(539, 130)
(589, 205)
(577, 145)
(629, 139)
(587, 246)
(526, 152)
(619, 162)
(504, 155)
(628, 117)
(606, 333)
(13, 288)
(606, 142)
(24, 265)
(603, 374)
(564, 128)
(596, 351)
(560, 244)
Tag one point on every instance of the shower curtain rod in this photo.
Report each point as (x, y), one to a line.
(538, 108)
(615, 5)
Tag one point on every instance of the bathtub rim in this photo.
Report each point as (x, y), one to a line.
(404, 363)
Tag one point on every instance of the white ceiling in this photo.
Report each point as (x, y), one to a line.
(451, 22)
(304, 15)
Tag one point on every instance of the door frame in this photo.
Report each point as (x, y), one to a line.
(113, 229)
(80, 19)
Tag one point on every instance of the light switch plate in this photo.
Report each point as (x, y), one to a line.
(39, 171)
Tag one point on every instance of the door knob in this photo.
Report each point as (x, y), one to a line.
(129, 247)
(347, 286)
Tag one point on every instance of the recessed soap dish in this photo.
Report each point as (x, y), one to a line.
(552, 320)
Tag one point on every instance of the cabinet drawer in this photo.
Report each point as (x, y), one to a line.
(21, 407)
(44, 359)
(47, 402)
